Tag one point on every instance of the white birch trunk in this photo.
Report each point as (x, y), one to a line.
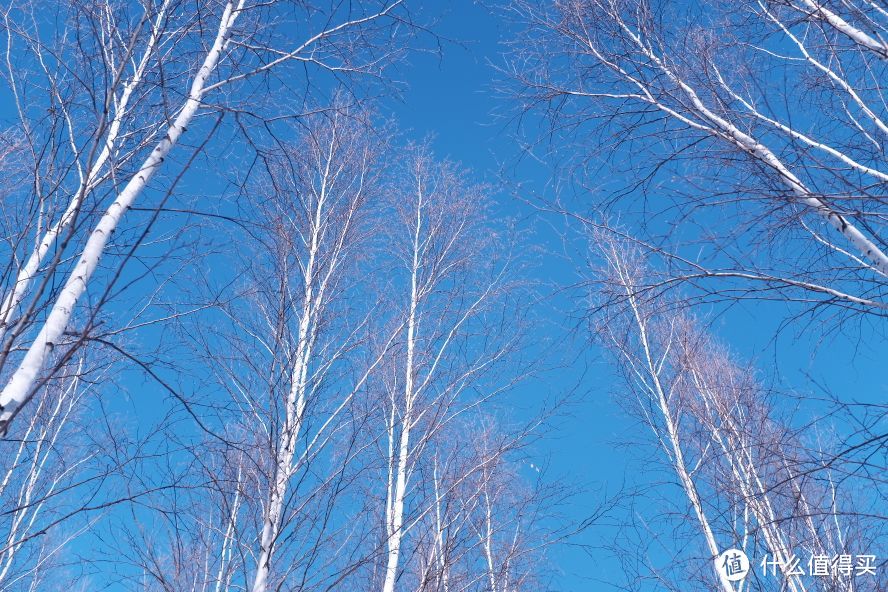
(855, 34)
(223, 576)
(23, 381)
(287, 443)
(313, 294)
(747, 478)
(439, 551)
(396, 517)
(36, 489)
(672, 435)
(488, 542)
(28, 272)
(723, 128)
(289, 436)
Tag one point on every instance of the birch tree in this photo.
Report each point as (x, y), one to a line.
(452, 290)
(58, 479)
(747, 473)
(765, 114)
(319, 227)
(195, 538)
(103, 102)
(486, 529)
(63, 478)
(294, 362)
(311, 353)
(38, 471)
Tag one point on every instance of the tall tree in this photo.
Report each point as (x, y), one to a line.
(454, 294)
(287, 351)
(753, 478)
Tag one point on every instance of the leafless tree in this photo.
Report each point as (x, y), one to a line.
(753, 478)
(294, 360)
(58, 478)
(39, 471)
(357, 341)
(317, 468)
(485, 531)
(460, 350)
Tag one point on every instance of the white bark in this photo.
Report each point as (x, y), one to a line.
(442, 250)
(223, 575)
(827, 171)
(487, 540)
(738, 454)
(855, 34)
(726, 420)
(22, 383)
(295, 407)
(395, 519)
(440, 560)
(837, 79)
(32, 480)
(298, 383)
(332, 212)
(647, 367)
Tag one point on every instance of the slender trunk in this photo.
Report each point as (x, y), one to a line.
(738, 453)
(23, 520)
(290, 434)
(677, 453)
(488, 542)
(395, 534)
(224, 574)
(441, 560)
(298, 387)
(287, 444)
